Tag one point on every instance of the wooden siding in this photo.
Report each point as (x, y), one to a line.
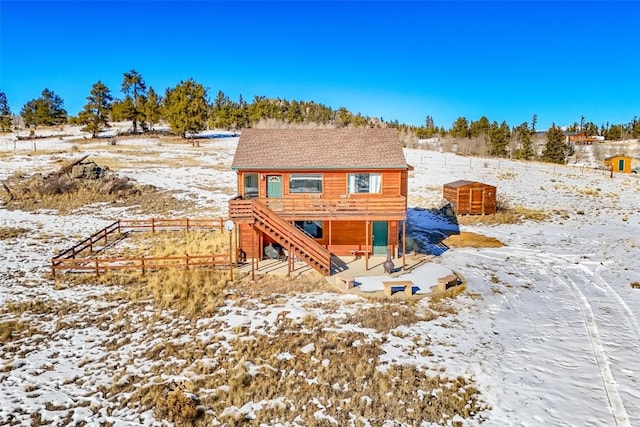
(469, 197)
(334, 183)
(339, 237)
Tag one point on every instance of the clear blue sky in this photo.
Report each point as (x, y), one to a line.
(397, 60)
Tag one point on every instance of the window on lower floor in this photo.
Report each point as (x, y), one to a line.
(312, 228)
(305, 183)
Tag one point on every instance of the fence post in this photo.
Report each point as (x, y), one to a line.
(119, 229)
(142, 260)
(153, 225)
(97, 269)
(187, 260)
(187, 225)
(53, 267)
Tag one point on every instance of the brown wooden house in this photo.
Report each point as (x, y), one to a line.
(471, 197)
(619, 163)
(320, 192)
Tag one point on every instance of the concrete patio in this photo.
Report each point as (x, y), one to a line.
(347, 268)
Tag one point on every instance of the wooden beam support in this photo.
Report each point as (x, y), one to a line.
(253, 248)
(404, 244)
(366, 248)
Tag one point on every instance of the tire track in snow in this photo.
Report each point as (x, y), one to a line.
(551, 264)
(630, 317)
(618, 410)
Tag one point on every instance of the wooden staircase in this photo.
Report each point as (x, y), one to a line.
(291, 238)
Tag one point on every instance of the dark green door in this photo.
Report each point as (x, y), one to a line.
(621, 165)
(274, 186)
(380, 237)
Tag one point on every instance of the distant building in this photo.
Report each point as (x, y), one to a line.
(619, 163)
(579, 138)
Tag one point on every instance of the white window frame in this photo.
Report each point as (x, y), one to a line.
(363, 183)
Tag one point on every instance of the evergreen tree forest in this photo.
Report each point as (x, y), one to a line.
(187, 109)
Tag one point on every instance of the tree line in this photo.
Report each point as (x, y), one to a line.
(187, 110)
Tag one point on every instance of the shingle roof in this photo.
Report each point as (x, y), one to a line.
(463, 182)
(319, 149)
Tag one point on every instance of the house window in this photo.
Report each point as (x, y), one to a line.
(250, 185)
(305, 183)
(312, 228)
(364, 183)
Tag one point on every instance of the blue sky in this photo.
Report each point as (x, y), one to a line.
(506, 60)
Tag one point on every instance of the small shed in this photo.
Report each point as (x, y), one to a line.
(471, 197)
(619, 163)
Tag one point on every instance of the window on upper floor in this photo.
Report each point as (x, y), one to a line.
(305, 183)
(364, 183)
(250, 185)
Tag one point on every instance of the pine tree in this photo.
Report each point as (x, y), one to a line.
(499, 139)
(185, 107)
(95, 115)
(28, 114)
(534, 122)
(222, 112)
(134, 88)
(635, 128)
(523, 134)
(5, 113)
(44, 111)
(460, 128)
(591, 129)
(556, 150)
(152, 110)
(52, 112)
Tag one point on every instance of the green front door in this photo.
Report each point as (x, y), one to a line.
(621, 165)
(274, 186)
(380, 237)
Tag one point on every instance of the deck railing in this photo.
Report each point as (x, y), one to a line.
(355, 207)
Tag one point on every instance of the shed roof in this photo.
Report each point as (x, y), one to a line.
(616, 156)
(462, 183)
(283, 149)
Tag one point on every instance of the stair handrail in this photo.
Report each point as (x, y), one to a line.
(301, 243)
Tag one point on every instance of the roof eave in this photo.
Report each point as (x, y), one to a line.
(288, 168)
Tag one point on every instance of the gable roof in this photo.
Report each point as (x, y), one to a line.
(617, 156)
(288, 149)
(464, 183)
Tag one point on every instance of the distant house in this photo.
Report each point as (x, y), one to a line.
(471, 197)
(619, 163)
(580, 138)
(320, 192)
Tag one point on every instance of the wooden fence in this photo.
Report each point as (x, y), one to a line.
(69, 258)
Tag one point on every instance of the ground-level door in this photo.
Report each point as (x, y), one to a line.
(380, 238)
(621, 165)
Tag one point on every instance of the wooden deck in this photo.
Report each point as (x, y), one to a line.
(371, 208)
